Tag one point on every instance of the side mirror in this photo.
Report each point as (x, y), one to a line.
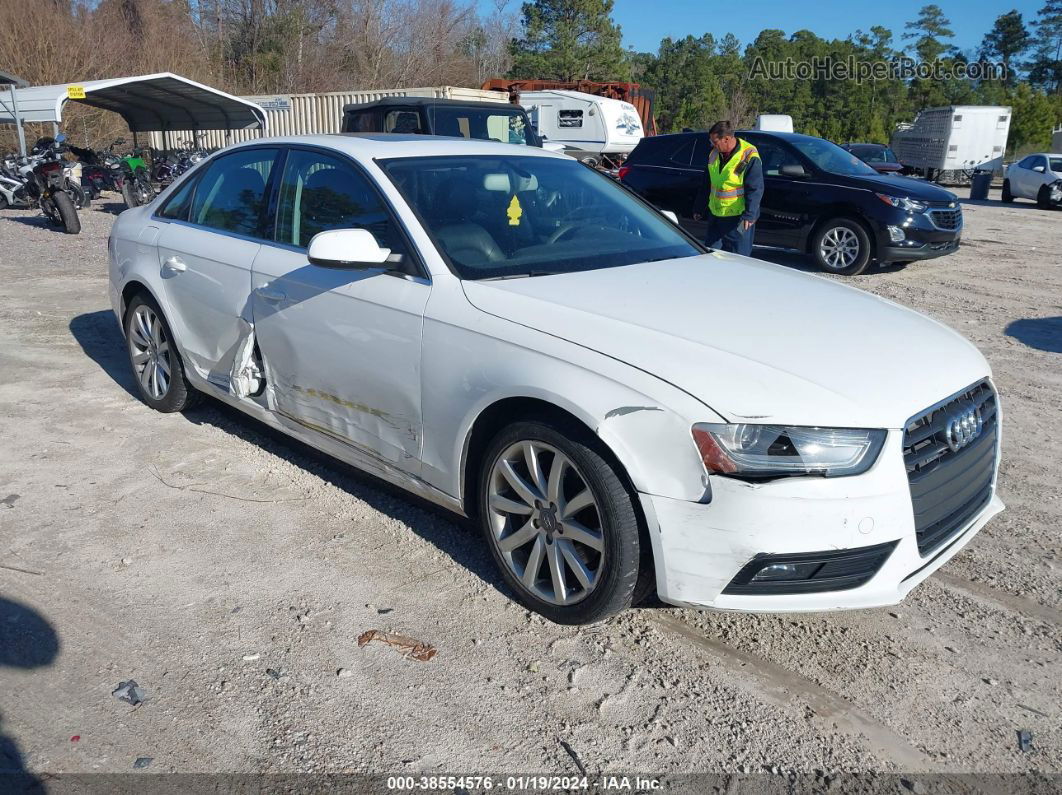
(353, 249)
(670, 216)
(793, 170)
(1039, 169)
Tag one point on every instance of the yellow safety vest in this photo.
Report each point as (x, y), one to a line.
(728, 183)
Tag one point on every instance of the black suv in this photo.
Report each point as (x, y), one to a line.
(817, 198)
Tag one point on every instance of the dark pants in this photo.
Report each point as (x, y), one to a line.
(726, 233)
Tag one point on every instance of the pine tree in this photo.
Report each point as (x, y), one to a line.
(569, 40)
(1007, 40)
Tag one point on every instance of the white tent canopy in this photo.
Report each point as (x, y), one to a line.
(158, 102)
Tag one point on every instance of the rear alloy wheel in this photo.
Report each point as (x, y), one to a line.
(560, 524)
(156, 364)
(841, 246)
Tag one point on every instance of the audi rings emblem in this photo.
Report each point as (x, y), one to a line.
(962, 426)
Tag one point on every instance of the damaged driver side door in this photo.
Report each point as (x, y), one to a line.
(341, 347)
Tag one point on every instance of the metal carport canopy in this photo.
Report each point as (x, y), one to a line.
(148, 103)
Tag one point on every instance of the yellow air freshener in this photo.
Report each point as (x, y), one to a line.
(514, 212)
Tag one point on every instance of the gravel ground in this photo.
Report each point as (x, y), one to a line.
(229, 571)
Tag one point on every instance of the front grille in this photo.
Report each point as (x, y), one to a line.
(950, 486)
(946, 220)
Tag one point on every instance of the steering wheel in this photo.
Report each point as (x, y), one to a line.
(580, 217)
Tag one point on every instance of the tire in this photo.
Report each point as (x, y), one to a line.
(1007, 195)
(3, 202)
(145, 192)
(841, 246)
(68, 219)
(1043, 198)
(601, 536)
(79, 195)
(148, 342)
(128, 193)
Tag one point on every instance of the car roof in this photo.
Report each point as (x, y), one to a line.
(860, 143)
(367, 146)
(785, 136)
(432, 101)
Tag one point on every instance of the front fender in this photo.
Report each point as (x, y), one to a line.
(470, 366)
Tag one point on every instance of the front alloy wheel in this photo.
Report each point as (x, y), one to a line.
(546, 523)
(560, 522)
(842, 246)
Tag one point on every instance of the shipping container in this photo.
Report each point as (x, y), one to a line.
(312, 114)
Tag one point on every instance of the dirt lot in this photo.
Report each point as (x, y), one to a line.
(230, 571)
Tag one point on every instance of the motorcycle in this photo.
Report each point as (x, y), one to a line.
(48, 186)
(100, 171)
(12, 186)
(136, 187)
(71, 168)
(167, 169)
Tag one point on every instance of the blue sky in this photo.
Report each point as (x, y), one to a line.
(646, 22)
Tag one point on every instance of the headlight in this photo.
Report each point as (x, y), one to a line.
(743, 450)
(903, 203)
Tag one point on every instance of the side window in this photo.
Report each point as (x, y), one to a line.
(683, 156)
(774, 155)
(359, 121)
(319, 192)
(1027, 162)
(231, 194)
(700, 153)
(176, 207)
(570, 118)
(402, 121)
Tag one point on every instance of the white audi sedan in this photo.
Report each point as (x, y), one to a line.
(520, 339)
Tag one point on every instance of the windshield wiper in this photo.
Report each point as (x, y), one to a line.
(521, 275)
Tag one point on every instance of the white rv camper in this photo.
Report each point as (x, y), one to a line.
(959, 138)
(774, 122)
(588, 126)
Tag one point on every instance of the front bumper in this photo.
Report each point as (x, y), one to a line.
(923, 239)
(699, 548)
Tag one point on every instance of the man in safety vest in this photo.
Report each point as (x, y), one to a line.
(732, 190)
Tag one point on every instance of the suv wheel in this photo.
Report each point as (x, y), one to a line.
(559, 521)
(1007, 195)
(841, 246)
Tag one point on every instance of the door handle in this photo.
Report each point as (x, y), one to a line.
(174, 265)
(270, 294)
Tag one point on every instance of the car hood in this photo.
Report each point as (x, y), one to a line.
(902, 186)
(751, 340)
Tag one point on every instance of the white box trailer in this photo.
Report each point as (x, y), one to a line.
(312, 114)
(961, 138)
(589, 127)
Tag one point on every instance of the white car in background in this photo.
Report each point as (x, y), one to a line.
(1037, 177)
(520, 339)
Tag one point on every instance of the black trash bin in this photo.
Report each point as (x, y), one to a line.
(979, 184)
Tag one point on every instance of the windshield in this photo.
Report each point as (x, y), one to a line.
(496, 216)
(874, 154)
(832, 158)
(507, 124)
